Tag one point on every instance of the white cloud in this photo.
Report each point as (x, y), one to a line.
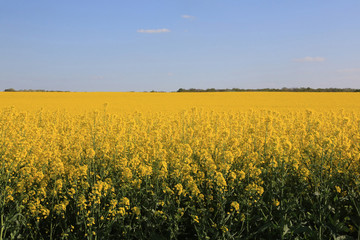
(349, 70)
(162, 30)
(310, 59)
(187, 16)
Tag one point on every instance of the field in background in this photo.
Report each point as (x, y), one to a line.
(179, 165)
(130, 102)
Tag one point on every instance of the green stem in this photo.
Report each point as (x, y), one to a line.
(2, 227)
(51, 231)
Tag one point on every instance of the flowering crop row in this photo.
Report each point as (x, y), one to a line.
(193, 174)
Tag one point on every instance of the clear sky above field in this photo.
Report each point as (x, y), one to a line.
(133, 45)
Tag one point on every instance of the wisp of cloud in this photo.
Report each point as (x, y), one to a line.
(162, 30)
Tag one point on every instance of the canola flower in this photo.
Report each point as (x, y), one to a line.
(193, 173)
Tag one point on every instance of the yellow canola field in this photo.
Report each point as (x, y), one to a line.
(179, 165)
(173, 102)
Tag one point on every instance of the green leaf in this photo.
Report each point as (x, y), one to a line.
(285, 229)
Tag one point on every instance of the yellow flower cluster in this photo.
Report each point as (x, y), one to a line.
(98, 167)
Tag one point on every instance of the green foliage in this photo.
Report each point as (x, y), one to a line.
(302, 89)
(31, 90)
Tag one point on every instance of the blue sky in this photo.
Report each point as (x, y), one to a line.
(133, 45)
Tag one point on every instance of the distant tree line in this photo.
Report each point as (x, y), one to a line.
(31, 90)
(302, 89)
